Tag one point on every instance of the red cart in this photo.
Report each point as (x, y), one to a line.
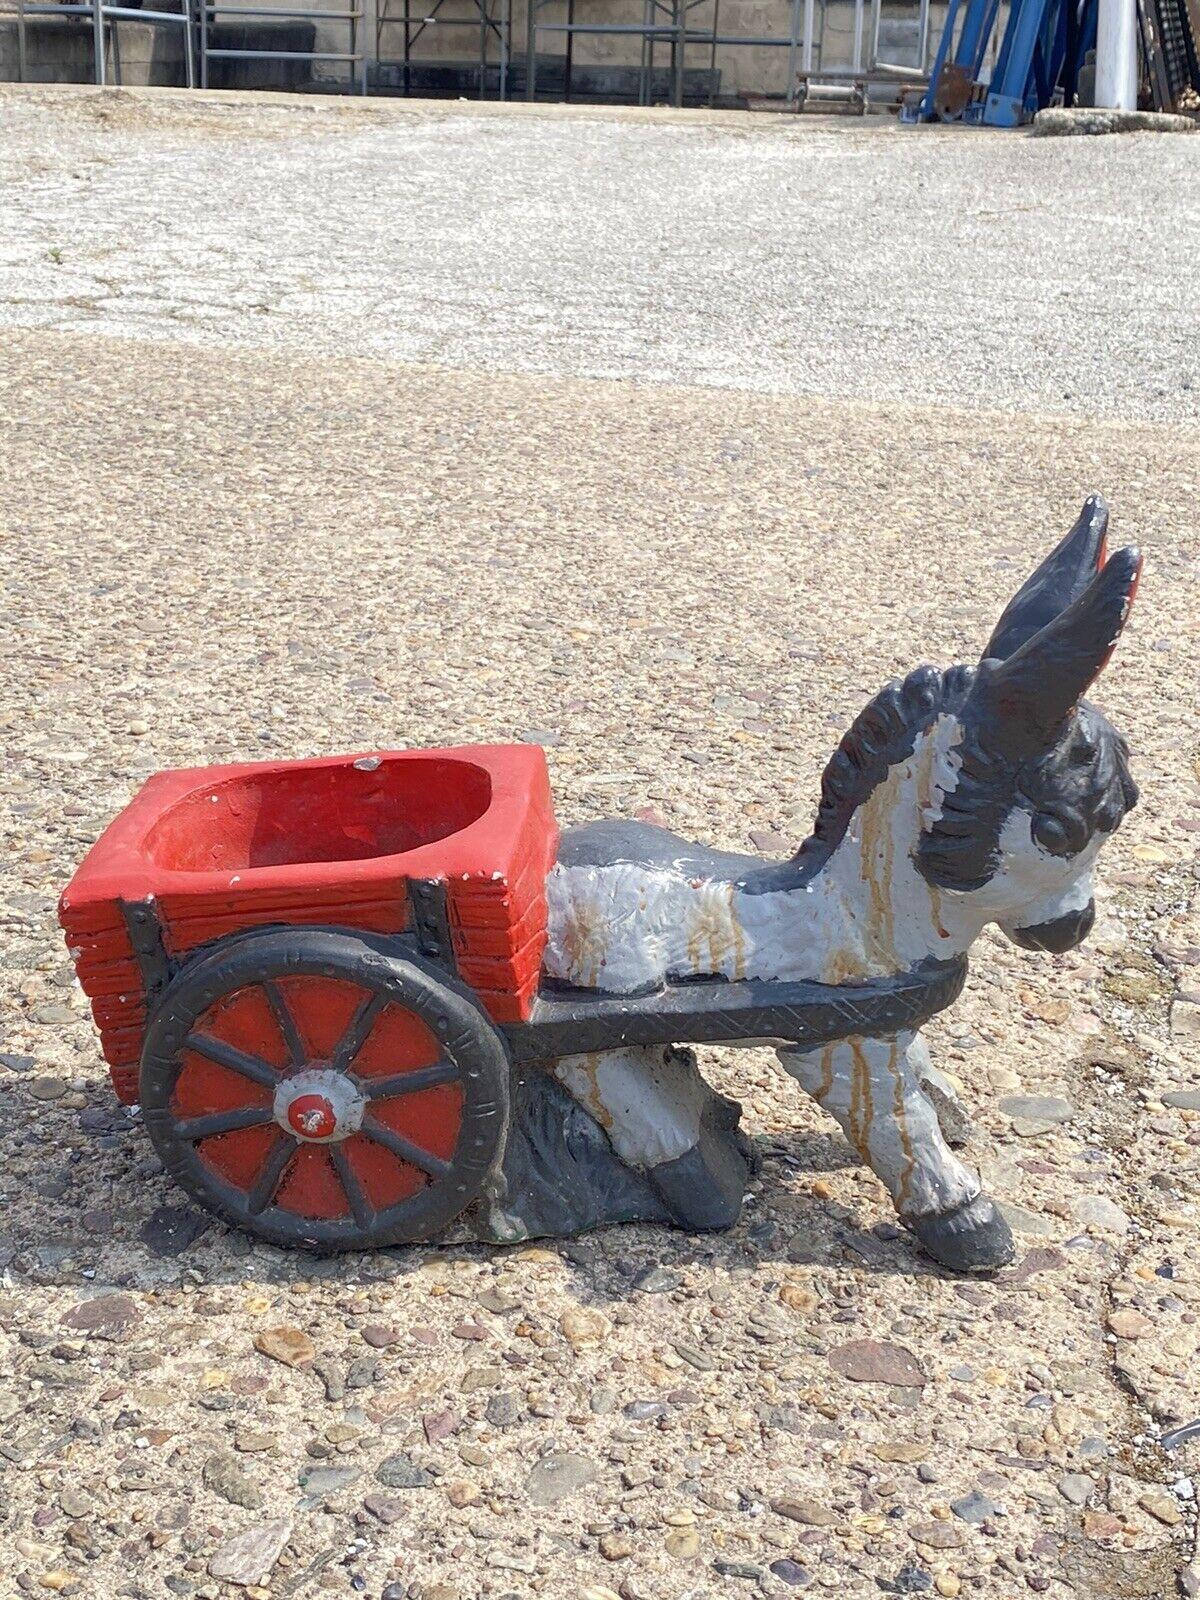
(297, 969)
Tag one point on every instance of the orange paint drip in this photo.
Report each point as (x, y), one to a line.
(876, 867)
(862, 1109)
(826, 1083)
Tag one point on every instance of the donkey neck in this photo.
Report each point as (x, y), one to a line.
(865, 911)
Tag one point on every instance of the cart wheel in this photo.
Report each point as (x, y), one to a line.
(317, 1088)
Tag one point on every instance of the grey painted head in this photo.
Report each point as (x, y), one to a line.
(1032, 748)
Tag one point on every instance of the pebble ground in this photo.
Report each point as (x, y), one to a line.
(228, 533)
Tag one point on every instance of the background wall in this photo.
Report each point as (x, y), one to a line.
(603, 65)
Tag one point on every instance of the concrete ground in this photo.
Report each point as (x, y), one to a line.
(700, 453)
(846, 259)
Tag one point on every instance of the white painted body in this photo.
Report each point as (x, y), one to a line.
(867, 913)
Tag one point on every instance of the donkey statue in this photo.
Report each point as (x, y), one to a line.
(958, 798)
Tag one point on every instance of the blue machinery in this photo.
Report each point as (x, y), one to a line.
(1043, 48)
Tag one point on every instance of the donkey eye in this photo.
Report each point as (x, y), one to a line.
(1052, 834)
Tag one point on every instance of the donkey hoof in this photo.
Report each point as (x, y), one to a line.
(975, 1238)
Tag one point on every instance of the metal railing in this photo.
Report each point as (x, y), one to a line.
(799, 31)
(102, 14)
(799, 28)
(352, 17)
(492, 19)
(662, 23)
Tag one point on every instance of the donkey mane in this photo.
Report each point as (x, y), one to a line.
(960, 850)
(884, 733)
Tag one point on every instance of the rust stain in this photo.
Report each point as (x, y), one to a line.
(924, 774)
(901, 1118)
(876, 851)
(696, 935)
(842, 966)
(739, 939)
(826, 1083)
(714, 928)
(591, 1066)
(582, 1081)
(862, 1109)
(583, 941)
(935, 910)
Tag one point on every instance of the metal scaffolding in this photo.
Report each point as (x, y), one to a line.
(673, 24)
(714, 39)
(491, 18)
(352, 17)
(663, 22)
(676, 51)
(104, 17)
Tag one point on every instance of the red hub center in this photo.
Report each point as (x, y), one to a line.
(312, 1116)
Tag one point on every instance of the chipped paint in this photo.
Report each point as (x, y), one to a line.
(649, 1100)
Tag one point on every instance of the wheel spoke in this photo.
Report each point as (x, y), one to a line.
(364, 1213)
(223, 1122)
(286, 1024)
(356, 1034)
(268, 1180)
(402, 1148)
(410, 1082)
(225, 1055)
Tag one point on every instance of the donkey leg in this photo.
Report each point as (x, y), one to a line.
(663, 1119)
(872, 1087)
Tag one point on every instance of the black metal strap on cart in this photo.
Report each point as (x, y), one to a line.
(144, 927)
(429, 921)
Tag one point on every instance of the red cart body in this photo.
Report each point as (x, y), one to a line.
(332, 841)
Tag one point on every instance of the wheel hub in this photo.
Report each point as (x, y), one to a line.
(318, 1106)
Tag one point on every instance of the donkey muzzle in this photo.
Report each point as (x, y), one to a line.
(1059, 934)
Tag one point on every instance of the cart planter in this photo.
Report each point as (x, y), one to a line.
(361, 997)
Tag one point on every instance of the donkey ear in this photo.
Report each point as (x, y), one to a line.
(1027, 697)
(1057, 583)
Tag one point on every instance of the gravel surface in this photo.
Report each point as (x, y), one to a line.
(863, 260)
(211, 553)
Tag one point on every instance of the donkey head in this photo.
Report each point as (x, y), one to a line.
(1037, 779)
